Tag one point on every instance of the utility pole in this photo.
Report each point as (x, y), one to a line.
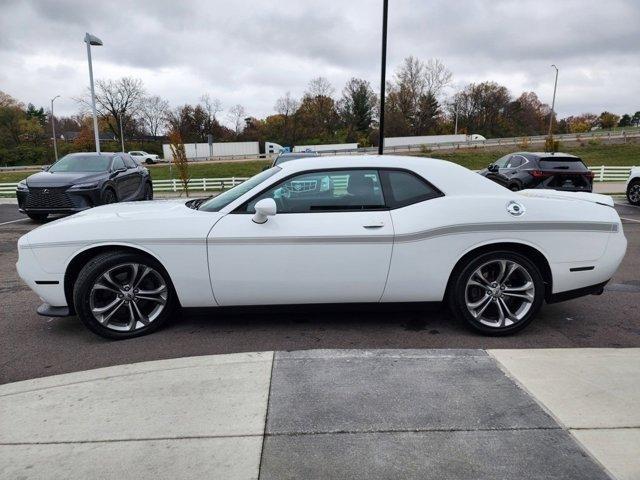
(121, 134)
(53, 128)
(383, 75)
(553, 102)
(456, 127)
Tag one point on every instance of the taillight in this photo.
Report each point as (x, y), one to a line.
(590, 175)
(537, 173)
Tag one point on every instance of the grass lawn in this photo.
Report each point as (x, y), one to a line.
(595, 154)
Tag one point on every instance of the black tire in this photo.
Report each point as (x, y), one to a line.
(109, 196)
(37, 217)
(94, 270)
(458, 292)
(148, 161)
(514, 187)
(148, 191)
(633, 192)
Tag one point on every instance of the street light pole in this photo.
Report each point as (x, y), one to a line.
(553, 102)
(383, 75)
(92, 40)
(121, 134)
(53, 128)
(456, 127)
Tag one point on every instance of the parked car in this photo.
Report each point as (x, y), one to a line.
(79, 181)
(558, 171)
(144, 157)
(633, 186)
(322, 230)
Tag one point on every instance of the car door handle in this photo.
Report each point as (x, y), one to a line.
(374, 225)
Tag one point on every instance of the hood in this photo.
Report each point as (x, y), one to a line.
(576, 196)
(128, 221)
(63, 179)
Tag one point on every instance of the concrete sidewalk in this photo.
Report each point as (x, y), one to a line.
(459, 414)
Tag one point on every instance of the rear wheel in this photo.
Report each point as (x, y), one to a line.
(633, 192)
(123, 295)
(37, 217)
(497, 293)
(109, 196)
(514, 187)
(148, 192)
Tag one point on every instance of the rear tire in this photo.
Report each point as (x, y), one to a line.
(514, 187)
(120, 295)
(497, 293)
(37, 217)
(633, 192)
(148, 192)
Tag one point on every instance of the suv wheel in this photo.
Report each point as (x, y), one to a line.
(123, 295)
(37, 217)
(633, 192)
(497, 293)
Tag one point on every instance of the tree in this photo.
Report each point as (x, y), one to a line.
(526, 115)
(635, 120)
(608, 120)
(117, 101)
(436, 76)
(580, 123)
(357, 108)
(481, 108)
(236, 116)
(318, 116)
(180, 159)
(287, 107)
(625, 120)
(153, 114)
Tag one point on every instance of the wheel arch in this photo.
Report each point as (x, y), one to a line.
(80, 258)
(529, 251)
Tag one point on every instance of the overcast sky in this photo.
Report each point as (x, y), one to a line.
(251, 52)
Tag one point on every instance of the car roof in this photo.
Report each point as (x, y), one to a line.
(104, 154)
(449, 177)
(546, 154)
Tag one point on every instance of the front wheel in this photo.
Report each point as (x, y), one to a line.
(633, 192)
(497, 293)
(123, 295)
(109, 196)
(148, 192)
(37, 217)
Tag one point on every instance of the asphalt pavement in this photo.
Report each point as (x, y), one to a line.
(32, 346)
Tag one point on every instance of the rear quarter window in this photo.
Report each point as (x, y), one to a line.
(405, 188)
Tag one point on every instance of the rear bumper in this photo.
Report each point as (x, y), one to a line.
(596, 289)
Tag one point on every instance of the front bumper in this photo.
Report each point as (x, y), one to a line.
(48, 286)
(57, 200)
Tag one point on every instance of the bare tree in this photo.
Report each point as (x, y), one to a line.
(287, 105)
(153, 114)
(436, 76)
(180, 160)
(320, 87)
(117, 101)
(236, 116)
(212, 106)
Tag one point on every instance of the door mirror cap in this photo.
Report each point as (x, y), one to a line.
(492, 167)
(265, 208)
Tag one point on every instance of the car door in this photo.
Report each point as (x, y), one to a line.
(134, 179)
(330, 241)
(120, 177)
(511, 169)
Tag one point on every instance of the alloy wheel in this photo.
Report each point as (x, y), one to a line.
(499, 293)
(128, 297)
(634, 193)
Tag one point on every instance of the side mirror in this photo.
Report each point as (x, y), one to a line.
(264, 208)
(492, 167)
(46, 168)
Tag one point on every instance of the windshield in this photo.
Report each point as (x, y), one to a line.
(225, 198)
(81, 163)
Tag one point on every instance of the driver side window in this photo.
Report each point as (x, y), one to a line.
(330, 190)
(502, 162)
(118, 164)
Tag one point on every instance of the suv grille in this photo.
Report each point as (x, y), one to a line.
(48, 198)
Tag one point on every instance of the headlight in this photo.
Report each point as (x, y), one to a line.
(84, 186)
(22, 186)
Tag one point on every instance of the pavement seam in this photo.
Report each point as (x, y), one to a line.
(120, 440)
(588, 452)
(110, 377)
(266, 415)
(412, 430)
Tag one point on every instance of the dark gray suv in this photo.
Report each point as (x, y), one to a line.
(556, 171)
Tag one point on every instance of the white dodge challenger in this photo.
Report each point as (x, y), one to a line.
(329, 230)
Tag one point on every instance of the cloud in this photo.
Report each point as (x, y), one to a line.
(251, 52)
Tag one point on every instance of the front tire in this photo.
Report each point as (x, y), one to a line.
(148, 192)
(37, 217)
(109, 196)
(633, 192)
(497, 293)
(122, 295)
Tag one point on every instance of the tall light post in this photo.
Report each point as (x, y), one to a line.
(456, 127)
(95, 41)
(553, 102)
(383, 75)
(53, 128)
(121, 133)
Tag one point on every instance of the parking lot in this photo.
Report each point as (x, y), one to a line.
(32, 346)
